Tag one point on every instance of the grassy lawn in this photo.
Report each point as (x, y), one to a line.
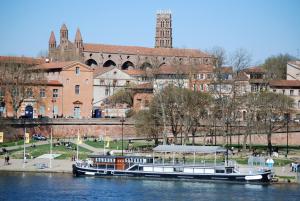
(15, 143)
(65, 152)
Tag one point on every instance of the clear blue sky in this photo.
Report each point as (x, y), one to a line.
(263, 27)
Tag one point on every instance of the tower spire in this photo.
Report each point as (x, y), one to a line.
(52, 41)
(163, 37)
(63, 34)
(78, 39)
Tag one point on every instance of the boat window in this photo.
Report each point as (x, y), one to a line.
(228, 170)
(220, 171)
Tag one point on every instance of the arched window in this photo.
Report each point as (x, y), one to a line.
(109, 63)
(126, 65)
(91, 62)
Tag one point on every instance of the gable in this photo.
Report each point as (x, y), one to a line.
(77, 64)
(114, 73)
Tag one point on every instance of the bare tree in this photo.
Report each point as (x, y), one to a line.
(240, 59)
(20, 81)
(270, 105)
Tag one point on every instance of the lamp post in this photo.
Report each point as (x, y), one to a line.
(239, 137)
(227, 122)
(122, 121)
(287, 135)
(53, 101)
(51, 135)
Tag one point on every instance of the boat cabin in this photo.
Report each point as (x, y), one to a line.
(118, 162)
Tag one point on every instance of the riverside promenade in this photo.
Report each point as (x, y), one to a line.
(37, 165)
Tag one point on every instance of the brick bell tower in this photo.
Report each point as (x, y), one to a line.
(163, 36)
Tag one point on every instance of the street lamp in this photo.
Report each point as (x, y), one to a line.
(287, 135)
(53, 101)
(227, 122)
(122, 121)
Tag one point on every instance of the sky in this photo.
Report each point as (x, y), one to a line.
(263, 27)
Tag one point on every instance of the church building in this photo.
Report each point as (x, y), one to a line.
(127, 57)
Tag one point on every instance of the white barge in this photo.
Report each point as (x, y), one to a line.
(152, 167)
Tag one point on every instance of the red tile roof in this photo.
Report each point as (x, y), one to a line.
(144, 50)
(185, 69)
(255, 69)
(54, 82)
(135, 72)
(285, 83)
(21, 60)
(241, 76)
(54, 65)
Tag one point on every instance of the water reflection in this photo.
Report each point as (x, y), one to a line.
(29, 186)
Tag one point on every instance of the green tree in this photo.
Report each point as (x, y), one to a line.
(276, 66)
(148, 123)
(123, 96)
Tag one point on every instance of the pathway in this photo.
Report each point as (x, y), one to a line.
(37, 143)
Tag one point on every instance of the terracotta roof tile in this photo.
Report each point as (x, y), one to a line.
(54, 65)
(21, 60)
(144, 50)
(285, 83)
(255, 69)
(185, 69)
(54, 82)
(135, 72)
(241, 76)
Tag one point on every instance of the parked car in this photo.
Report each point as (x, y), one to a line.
(38, 137)
(297, 120)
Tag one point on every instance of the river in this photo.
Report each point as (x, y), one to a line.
(39, 186)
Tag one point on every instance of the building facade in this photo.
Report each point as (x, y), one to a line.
(69, 93)
(107, 82)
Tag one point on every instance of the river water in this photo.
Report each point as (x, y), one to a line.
(39, 186)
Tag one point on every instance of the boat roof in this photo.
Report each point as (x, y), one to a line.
(189, 149)
(114, 156)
